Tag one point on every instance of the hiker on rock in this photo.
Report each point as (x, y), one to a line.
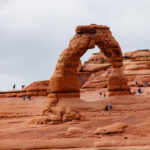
(14, 86)
(100, 94)
(146, 83)
(104, 94)
(140, 90)
(136, 83)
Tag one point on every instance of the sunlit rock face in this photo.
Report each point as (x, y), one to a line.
(37, 88)
(64, 100)
(65, 78)
(136, 68)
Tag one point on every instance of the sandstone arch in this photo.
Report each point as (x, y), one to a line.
(65, 79)
(64, 99)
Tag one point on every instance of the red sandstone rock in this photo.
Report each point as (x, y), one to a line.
(94, 73)
(21, 94)
(136, 64)
(113, 128)
(65, 78)
(37, 86)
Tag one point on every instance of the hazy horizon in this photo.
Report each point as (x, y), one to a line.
(35, 32)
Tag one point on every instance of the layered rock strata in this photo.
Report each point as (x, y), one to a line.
(136, 68)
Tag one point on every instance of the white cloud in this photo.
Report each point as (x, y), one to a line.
(34, 32)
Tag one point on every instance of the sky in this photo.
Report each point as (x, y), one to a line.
(33, 33)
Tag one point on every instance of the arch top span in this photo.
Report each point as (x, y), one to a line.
(65, 77)
(101, 36)
(93, 28)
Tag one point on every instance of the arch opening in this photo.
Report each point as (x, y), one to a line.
(88, 54)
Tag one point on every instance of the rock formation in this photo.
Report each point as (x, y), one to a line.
(65, 77)
(98, 69)
(37, 88)
(136, 68)
(68, 79)
(64, 83)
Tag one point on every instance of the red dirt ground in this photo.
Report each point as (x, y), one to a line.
(16, 131)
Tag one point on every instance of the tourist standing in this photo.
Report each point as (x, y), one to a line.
(14, 86)
(140, 91)
(146, 83)
(23, 86)
(29, 97)
(106, 108)
(104, 94)
(24, 97)
(136, 83)
(100, 94)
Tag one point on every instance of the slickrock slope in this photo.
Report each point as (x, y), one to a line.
(126, 127)
(136, 68)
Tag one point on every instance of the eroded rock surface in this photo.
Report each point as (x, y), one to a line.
(65, 78)
(39, 87)
(113, 128)
(136, 68)
(75, 130)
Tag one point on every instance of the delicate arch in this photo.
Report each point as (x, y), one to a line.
(65, 77)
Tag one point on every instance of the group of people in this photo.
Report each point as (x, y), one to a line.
(14, 87)
(102, 94)
(108, 107)
(27, 98)
(140, 91)
(137, 84)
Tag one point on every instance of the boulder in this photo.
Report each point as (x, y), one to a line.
(113, 128)
(75, 130)
(38, 86)
(136, 68)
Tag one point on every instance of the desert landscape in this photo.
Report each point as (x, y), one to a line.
(68, 112)
(19, 131)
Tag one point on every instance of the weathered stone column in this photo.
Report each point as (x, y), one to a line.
(117, 82)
